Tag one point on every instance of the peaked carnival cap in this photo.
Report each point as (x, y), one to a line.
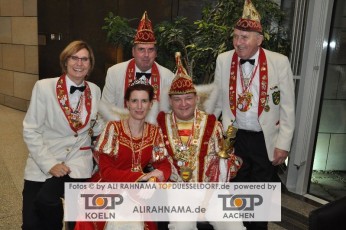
(182, 83)
(145, 33)
(250, 20)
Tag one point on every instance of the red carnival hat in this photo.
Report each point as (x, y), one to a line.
(145, 33)
(250, 20)
(182, 83)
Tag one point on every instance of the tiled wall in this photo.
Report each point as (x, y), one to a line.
(18, 52)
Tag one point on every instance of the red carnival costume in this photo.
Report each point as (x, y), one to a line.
(196, 160)
(194, 145)
(113, 149)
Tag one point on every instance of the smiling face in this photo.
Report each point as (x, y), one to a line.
(184, 105)
(246, 43)
(78, 66)
(139, 104)
(144, 55)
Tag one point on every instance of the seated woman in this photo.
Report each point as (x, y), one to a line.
(57, 129)
(126, 147)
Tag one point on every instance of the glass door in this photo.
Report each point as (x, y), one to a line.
(328, 176)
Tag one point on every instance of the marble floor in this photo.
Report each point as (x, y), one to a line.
(13, 154)
(328, 185)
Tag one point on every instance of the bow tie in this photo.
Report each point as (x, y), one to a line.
(251, 61)
(139, 75)
(74, 88)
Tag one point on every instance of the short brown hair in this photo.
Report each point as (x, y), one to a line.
(143, 87)
(73, 48)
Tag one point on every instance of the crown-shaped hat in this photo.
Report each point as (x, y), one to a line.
(182, 83)
(145, 33)
(250, 20)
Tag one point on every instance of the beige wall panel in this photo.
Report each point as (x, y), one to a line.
(24, 30)
(11, 7)
(23, 84)
(31, 59)
(13, 57)
(16, 103)
(30, 7)
(0, 55)
(5, 30)
(6, 79)
(2, 99)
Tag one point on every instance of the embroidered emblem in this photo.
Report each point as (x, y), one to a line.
(276, 97)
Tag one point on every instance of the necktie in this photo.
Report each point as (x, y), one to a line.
(251, 61)
(139, 75)
(74, 88)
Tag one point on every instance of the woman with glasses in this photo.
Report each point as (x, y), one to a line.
(58, 127)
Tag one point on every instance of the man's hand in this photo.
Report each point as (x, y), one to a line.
(155, 173)
(59, 170)
(279, 156)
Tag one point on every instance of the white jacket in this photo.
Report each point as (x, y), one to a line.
(278, 123)
(49, 138)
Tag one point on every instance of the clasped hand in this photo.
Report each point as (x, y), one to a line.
(155, 173)
(60, 170)
(279, 156)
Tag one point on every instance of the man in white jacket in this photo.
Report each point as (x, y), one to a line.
(141, 66)
(257, 97)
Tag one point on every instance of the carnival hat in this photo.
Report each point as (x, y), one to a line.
(145, 33)
(250, 20)
(182, 83)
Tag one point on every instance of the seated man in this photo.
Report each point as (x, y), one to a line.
(193, 139)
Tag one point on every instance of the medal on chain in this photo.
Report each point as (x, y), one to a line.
(244, 101)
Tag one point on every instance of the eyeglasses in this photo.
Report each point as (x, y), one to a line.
(76, 59)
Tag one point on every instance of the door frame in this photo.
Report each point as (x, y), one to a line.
(308, 101)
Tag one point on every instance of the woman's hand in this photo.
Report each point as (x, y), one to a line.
(59, 170)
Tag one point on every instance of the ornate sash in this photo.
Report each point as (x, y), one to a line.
(263, 86)
(205, 134)
(154, 79)
(62, 95)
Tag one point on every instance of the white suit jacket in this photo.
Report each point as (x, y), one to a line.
(112, 102)
(49, 138)
(278, 123)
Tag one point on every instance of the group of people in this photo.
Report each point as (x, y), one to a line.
(151, 125)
